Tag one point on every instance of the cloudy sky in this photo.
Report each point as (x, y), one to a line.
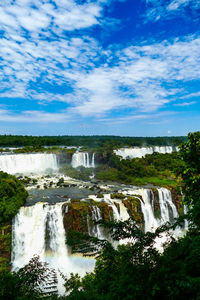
(122, 67)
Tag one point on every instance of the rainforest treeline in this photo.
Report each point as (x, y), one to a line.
(88, 141)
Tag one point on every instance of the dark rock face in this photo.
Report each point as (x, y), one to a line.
(77, 216)
(133, 206)
(178, 200)
(64, 158)
(155, 202)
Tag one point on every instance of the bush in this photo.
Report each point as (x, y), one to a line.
(12, 196)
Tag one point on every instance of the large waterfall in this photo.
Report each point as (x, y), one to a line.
(83, 159)
(28, 163)
(134, 152)
(39, 229)
(167, 208)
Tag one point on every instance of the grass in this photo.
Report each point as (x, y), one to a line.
(154, 180)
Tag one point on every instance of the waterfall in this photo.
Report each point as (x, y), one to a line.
(134, 152)
(28, 163)
(167, 206)
(39, 230)
(96, 230)
(168, 210)
(150, 221)
(83, 159)
(93, 164)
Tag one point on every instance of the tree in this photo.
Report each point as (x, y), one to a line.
(190, 152)
(28, 282)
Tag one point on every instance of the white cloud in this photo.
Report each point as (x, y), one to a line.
(138, 81)
(162, 9)
(191, 95)
(33, 117)
(60, 15)
(177, 4)
(147, 117)
(185, 103)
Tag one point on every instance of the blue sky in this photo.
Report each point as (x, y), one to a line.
(122, 67)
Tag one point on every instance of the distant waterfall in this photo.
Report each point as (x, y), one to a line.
(28, 163)
(83, 159)
(142, 151)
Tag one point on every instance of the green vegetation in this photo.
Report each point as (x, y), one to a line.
(117, 196)
(158, 169)
(5, 247)
(42, 149)
(88, 141)
(12, 197)
(81, 172)
(190, 172)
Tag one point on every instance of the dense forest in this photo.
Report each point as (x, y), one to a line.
(135, 270)
(157, 168)
(88, 141)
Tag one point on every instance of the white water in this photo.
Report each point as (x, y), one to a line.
(36, 163)
(168, 210)
(39, 230)
(29, 230)
(150, 222)
(142, 151)
(96, 230)
(83, 159)
(166, 206)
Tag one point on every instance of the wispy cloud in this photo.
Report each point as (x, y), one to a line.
(141, 78)
(191, 95)
(164, 9)
(157, 117)
(185, 103)
(33, 117)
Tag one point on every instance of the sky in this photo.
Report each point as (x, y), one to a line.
(99, 67)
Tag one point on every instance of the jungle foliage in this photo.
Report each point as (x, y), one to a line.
(157, 168)
(88, 141)
(12, 197)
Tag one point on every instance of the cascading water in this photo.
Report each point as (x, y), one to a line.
(167, 207)
(168, 210)
(96, 230)
(83, 159)
(28, 163)
(168, 213)
(39, 230)
(119, 210)
(150, 221)
(142, 151)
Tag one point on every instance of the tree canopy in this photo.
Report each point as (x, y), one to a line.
(12, 196)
